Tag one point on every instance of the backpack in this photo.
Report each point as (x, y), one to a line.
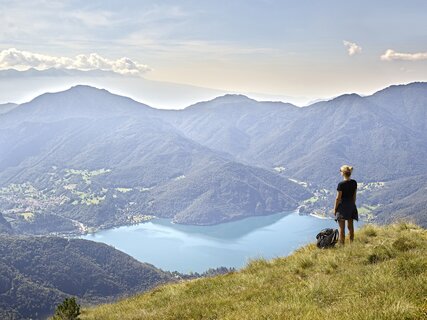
(327, 238)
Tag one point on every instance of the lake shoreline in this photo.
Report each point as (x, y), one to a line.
(189, 248)
(93, 230)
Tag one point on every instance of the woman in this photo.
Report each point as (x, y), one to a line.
(345, 204)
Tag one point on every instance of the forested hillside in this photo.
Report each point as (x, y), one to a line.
(37, 273)
(83, 159)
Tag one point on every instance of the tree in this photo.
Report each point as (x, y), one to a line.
(69, 309)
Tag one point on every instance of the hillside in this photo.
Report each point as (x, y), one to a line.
(383, 136)
(382, 275)
(402, 197)
(83, 159)
(37, 273)
(378, 133)
(6, 107)
(62, 171)
(4, 225)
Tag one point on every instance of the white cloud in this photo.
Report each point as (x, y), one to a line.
(352, 48)
(391, 55)
(22, 60)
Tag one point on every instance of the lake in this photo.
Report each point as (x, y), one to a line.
(187, 248)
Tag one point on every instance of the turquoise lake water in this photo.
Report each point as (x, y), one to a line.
(188, 248)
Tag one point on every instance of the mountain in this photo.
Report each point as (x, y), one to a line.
(383, 136)
(5, 226)
(85, 158)
(6, 107)
(406, 103)
(21, 86)
(402, 199)
(374, 133)
(223, 192)
(309, 284)
(78, 102)
(233, 123)
(37, 273)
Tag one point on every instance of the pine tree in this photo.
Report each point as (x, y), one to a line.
(69, 309)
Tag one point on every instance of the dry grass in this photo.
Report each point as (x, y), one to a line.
(382, 275)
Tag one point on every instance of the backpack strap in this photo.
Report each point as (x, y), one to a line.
(336, 236)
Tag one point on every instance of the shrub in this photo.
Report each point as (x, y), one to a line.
(306, 263)
(380, 253)
(69, 309)
(404, 244)
(370, 231)
(411, 267)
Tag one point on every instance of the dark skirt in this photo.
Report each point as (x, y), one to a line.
(347, 210)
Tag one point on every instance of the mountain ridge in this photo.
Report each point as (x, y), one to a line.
(168, 161)
(77, 101)
(51, 156)
(232, 97)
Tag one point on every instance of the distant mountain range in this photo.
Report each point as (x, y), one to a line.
(23, 85)
(85, 158)
(383, 135)
(6, 107)
(37, 273)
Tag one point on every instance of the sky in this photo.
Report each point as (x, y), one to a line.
(301, 49)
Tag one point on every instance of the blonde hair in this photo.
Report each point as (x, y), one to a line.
(346, 170)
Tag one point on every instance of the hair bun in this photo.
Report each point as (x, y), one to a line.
(346, 169)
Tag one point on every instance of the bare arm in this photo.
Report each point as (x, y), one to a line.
(337, 201)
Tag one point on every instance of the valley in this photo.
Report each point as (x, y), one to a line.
(181, 159)
(211, 186)
(73, 191)
(217, 161)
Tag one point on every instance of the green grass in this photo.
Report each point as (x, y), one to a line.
(311, 200)
(382, 275)
(88, 198)
(28, 216)
(366, 209)
(87, 175)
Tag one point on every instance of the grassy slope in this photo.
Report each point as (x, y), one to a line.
(382, 275)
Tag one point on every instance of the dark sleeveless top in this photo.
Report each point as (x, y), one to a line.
(347, 208)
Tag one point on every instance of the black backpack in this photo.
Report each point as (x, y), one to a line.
(327, 238)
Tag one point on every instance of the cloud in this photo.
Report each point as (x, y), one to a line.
(352, 48)
(22, 60)
(391, 55)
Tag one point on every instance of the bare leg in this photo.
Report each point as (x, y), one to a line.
(341, 223)
(350, 227)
